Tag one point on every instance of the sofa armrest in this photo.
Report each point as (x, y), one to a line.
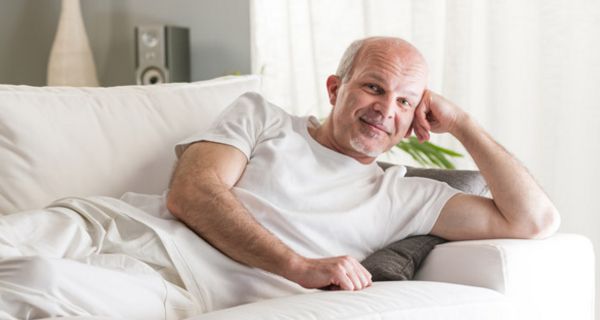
(548, 279)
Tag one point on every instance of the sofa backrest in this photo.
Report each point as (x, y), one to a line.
(58, 141)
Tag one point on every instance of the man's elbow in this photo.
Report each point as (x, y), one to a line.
(180, 199)
(545, 224)
(174, 204)
(550, 223)
(184, 200)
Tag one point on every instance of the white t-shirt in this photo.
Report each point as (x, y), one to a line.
(319, 202)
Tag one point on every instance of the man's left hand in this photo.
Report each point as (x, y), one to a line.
(436, 114)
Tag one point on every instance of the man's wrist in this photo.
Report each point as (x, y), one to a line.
(293, 266)
(463, 126)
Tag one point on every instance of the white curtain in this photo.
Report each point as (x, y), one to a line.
(529, 71)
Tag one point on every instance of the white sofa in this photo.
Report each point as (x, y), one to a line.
(57, 142)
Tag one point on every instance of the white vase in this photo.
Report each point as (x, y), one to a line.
(71, 62)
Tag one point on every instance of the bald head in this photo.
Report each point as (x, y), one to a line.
(396, 49)
(374, 94)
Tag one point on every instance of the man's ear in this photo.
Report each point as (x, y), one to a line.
(333, 85)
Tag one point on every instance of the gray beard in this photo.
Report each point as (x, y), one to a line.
(357, 145)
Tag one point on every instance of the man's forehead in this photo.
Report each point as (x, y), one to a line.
(389, 55)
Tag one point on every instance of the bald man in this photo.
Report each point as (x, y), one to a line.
(307, 201)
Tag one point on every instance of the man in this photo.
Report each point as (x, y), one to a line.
(249, 186)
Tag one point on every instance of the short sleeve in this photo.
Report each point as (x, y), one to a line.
(239, 125)
(416, 205)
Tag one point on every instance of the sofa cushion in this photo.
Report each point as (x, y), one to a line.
(58, 141)
(415, 300)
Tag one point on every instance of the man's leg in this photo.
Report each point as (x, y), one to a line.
(113, 275)
(58, 232)
(54, 232)
(34, 287)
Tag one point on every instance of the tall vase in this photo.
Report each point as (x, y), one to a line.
(71, 62)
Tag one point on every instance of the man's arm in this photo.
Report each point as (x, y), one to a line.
(519, 208)
(200, 196)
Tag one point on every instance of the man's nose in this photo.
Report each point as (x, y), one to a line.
(386, 106)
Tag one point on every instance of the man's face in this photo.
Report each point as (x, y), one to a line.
(373, 110)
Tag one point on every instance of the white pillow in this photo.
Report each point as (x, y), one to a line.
(60, 141)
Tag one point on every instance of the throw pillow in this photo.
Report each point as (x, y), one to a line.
(468, 181)
(401, 259)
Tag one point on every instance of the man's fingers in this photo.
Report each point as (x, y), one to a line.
(368, 276)
(424, 136)
(343, 272)
(361, 278)
(357, 279)
(422, 119)
(424, 124)
(409, 131)
(345, 282)
(353, 276)
(420, 123)
(421, 132)
(364, 275)
(349, 271)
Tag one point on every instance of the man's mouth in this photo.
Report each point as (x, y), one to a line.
(375, 125)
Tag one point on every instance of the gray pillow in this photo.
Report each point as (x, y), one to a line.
(400, 260)
(468, 181)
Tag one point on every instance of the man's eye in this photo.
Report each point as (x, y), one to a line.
(375, 88)
(404, 102)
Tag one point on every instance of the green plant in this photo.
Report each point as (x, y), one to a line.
(428, 154)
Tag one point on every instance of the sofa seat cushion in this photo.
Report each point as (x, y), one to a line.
(412, 300)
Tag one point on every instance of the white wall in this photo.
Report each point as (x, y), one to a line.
(220, 36)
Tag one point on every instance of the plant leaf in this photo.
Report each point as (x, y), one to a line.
(428, 154)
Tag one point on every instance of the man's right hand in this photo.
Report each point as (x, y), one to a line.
(336, 273)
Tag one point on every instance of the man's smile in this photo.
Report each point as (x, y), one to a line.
(375, 125)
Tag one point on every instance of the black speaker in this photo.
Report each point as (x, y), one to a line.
(162, 54)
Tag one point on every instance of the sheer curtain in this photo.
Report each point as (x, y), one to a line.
(528, 71)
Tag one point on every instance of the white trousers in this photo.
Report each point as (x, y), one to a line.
(55, 263)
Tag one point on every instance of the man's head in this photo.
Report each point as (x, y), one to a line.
(378, 85)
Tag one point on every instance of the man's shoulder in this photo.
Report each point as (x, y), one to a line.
(256, 102)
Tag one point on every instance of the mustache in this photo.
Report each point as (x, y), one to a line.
(377, 120)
